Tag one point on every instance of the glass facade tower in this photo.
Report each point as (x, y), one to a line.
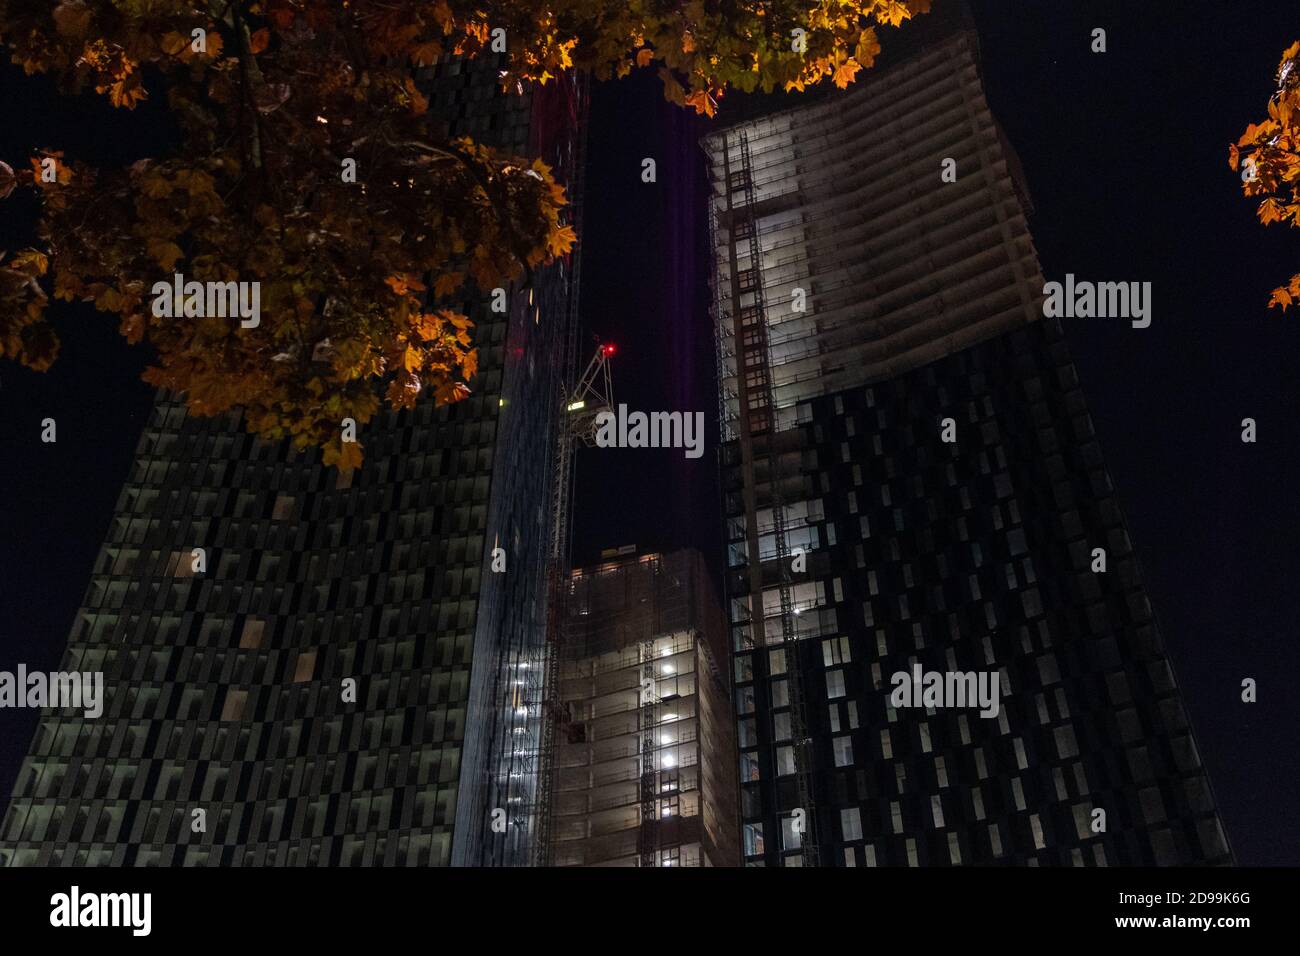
(911, 481)
(346, 682)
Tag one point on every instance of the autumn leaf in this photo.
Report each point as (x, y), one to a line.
(259, 40)
(72, 18)
(702, 102)
(164, 253)
(404, 284)
(868, 47)
(427, 53)
(30, 262)
(412, 359)
(447, 283)
(845, 72)
(173, 43)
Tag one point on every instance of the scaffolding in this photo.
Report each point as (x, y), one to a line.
(759, 428)
(580, 405)
(643, 770)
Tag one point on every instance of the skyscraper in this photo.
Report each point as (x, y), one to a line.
(644, 770)
(306, 667)
(912, 486)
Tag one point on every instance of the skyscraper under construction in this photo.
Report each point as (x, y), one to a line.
(643, 768)
(304, 667)
(912, 481)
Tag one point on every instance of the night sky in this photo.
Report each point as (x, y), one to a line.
(1125, 156)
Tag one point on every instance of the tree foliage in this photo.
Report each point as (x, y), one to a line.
(1268, 156)
(272, 98)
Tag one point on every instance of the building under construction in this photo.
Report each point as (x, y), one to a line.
(911, 477)
(643, 769)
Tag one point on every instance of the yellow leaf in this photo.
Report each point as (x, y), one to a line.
(30, 262)
(845, 72)
(172, 43)
(164, 253)
(425, 54)
(644, 56)
(867, 48)
(403, 283)
(350, 455)
(703, 102)
(447, 283)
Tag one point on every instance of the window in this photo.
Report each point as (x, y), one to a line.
(780, 694)
(306, 667)
(834, 684)
(753, 839)
(785, 761)
(251, 637)
(234, 706)
(781, 726)
(851, 824)
(835, 651)
(283, 509)
(747, 733)
(843, 748)
(791, 833)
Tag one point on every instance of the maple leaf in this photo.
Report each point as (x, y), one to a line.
(868, 48)
(402, 283)
(845, 72)
(30, 262)
(412, 359)
(259, 40)
(426, 53)
(173, 43)
(703, 102)
(447, 283)
(164, 253)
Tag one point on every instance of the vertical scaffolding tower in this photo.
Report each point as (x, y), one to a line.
(760, 436)
(580, 404)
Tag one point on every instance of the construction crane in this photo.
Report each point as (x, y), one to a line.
(580, 406)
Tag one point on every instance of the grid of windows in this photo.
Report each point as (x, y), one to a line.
(307, 668)
(976, 556)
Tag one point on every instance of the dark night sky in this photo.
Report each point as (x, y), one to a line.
(1125, 154)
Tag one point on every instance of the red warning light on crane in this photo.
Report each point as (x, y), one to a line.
(608, 349)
